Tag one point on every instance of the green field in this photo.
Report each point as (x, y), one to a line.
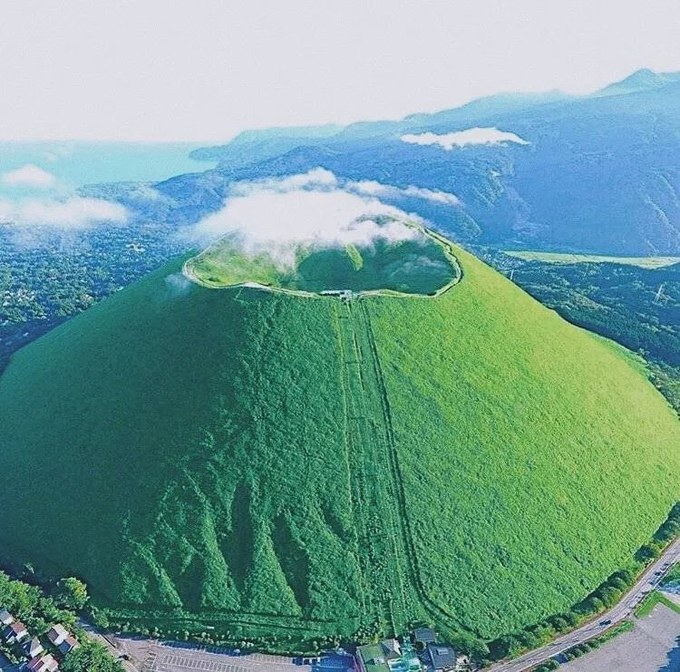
(650, 602)
(421, 265)
(565, 258)
(297, 468)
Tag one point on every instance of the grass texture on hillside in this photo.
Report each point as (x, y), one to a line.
(289, 467)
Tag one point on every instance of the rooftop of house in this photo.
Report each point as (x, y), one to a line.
(68, 644)
(389, 656)
(45, 664)
(16, 628)
(33, 647)
(373, 658)
(57, 632)
(442, 656)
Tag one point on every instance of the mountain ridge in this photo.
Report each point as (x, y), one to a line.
(597, 173)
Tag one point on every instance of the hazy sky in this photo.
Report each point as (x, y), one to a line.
(205, 69)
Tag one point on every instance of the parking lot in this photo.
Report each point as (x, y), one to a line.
(174, 660)
(653, 646)
(184, 657)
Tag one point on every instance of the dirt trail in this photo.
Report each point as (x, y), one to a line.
(390, 560)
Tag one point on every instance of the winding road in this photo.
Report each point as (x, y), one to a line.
(647, 582)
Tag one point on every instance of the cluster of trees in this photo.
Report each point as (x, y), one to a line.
(51, 276)
(40, 610)
(547, 666)
(666, 533)
(605, 596)
(287, 644)
(30, 605)
(667, 380)
(70, 593)
(90, 657)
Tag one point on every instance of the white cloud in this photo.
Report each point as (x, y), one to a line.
(317, 178)
(280, 213)
(29, 175)
(379, 190)
(320, 179)
(470, 136)
(435, 195)
(72, 213)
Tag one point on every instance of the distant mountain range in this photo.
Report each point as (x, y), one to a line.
(597, 173)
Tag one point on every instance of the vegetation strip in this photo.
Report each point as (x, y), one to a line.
(654, 598)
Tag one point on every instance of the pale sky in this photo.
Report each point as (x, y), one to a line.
(202, 70)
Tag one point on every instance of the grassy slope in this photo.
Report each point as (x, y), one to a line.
(565, 258)
(539, 460)
(231, 454)
(207, 432)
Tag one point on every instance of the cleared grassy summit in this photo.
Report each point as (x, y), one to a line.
(291, 467)
(421, 264)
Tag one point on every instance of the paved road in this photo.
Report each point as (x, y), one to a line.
(652, 645)
(648, 582)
